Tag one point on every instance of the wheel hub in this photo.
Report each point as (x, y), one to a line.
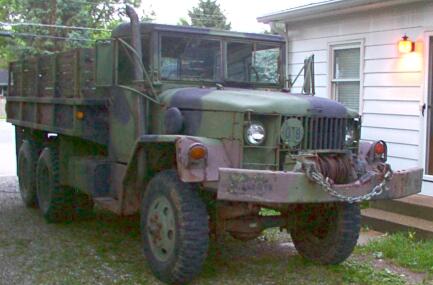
(161, 228)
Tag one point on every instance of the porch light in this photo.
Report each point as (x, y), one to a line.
(405, 45)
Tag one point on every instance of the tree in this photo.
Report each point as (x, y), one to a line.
(207, 14)
(100, 16)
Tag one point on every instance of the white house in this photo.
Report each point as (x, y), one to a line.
(358, 62)
(3, 90)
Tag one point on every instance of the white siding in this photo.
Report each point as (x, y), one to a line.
(392, 84)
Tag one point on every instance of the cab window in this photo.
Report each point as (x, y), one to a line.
(253, 62)
(126, 59)
(190, 59)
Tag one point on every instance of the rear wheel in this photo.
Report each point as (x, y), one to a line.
(326, 233)
(27, 159)
(83, 206)
(174, 226)
(55, 202)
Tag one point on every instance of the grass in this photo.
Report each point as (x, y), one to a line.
(277, 268)
(349, 272)
(405, 250)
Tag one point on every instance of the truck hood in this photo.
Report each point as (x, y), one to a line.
(257, 101)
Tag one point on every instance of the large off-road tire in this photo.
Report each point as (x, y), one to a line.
(55, 202)
(175, 229)
(27, 159)
(326, 233)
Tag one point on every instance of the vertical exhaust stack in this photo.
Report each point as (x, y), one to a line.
(135, 42)
(142, 104)
(138, 72)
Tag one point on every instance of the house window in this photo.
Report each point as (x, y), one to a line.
(346, 75)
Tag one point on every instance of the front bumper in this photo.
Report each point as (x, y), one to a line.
(262, 186)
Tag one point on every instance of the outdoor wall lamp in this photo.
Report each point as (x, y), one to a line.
(405, 45)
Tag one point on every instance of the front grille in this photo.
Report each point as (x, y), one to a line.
(322, 133)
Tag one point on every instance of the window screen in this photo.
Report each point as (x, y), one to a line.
(346, 76)
(346, 63)
(348, 94)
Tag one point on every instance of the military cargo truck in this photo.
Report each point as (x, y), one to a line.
(195, 130)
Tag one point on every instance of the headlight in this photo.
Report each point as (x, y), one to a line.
(352, 130)
(255, 134)
(350, 135)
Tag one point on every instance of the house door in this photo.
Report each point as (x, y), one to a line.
(428, 115)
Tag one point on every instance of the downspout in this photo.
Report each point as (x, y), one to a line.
(284, 33)
(308, 63)
(286, 56)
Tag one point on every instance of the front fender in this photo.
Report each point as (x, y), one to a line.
(220, 154)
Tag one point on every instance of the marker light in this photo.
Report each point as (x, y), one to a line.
(79, 115)
(379, 148)
(197, 151)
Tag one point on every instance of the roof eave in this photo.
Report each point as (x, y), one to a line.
(124, 30)
(329, 8)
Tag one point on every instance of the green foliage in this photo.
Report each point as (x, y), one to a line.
(182, 22)
(30, 39)
(207, 14)
(354, 272)
(269, 212)
(404, 249)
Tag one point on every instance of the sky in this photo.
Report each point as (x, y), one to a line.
(241, 13)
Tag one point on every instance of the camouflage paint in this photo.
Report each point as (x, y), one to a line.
(256, 101)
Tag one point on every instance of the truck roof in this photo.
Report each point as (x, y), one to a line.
(125, 30)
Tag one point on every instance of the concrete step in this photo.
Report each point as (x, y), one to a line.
(384, 221)
(418, 206)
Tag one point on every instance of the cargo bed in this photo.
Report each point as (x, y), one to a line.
(56, 93)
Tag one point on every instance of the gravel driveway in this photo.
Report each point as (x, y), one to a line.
(107, 250)
(11, 212)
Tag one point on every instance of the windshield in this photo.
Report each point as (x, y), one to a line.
(190, 59)
(197, 59)
(249, 62)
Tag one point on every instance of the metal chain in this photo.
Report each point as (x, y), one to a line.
(314, 175)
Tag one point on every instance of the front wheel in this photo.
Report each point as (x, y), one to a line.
(326, 233)
(175, 229)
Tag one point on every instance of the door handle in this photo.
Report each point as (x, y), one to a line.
(423, 107)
